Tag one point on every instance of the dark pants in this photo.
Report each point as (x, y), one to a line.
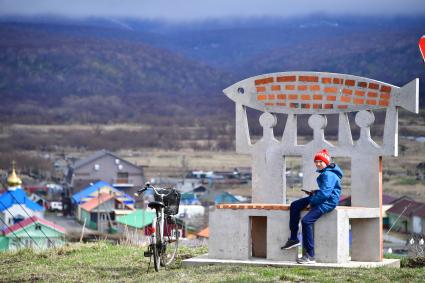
(307, 223)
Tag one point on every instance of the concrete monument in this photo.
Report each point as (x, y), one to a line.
(257, 230)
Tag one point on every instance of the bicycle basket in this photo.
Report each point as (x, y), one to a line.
(171, 202)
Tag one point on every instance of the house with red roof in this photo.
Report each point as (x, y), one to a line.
(204, 233)
(32, 232)
(407, 216)
(100, 213)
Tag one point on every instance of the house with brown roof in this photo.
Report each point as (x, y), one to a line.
(407, 216)
(100, 212)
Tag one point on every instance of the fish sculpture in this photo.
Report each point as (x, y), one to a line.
(321, 93)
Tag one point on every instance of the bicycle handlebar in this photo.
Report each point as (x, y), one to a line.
(147, 186)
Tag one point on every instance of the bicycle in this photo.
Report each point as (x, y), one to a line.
(165, 229)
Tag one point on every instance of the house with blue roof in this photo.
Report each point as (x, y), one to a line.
(15, 206)
(100, 187)
(225, 197)
(95, 190)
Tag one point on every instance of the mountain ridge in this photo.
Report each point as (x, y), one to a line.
(152, 67)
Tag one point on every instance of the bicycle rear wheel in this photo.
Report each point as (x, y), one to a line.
(156, 247)
(171, 241)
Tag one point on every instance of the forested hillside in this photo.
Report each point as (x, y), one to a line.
(49, 75)
(97, 70)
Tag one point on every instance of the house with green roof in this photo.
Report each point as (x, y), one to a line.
(139, 222)
(139, 219)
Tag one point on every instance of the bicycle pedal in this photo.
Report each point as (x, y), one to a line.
(147, 254)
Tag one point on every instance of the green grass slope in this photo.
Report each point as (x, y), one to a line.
(102, 262)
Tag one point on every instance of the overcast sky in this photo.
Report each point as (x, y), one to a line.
(204, 9)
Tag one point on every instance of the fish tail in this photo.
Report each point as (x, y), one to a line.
(409, 96)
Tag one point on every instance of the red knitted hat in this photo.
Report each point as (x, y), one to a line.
(324, 156)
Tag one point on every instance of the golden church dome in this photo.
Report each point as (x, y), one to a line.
(13, 179)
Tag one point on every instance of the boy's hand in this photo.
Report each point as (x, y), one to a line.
(310, 193)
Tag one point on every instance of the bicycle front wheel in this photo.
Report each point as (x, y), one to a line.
(171, 240)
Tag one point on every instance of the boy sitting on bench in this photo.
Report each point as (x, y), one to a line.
(321, 201)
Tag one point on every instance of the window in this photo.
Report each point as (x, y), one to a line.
(122, 177)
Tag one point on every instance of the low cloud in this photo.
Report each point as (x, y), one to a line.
(204, 9)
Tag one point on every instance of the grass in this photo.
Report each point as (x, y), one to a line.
(103, 262)
(410, 181)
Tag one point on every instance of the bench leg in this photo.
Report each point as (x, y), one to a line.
(331, 238)
(229, 235)
(277, 235)
(366, 240)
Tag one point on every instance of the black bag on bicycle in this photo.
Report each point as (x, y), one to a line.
(171, 201)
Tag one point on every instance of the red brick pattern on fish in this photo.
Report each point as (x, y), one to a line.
(264, 81)
(316, 92)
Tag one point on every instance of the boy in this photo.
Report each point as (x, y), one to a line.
(320, 201)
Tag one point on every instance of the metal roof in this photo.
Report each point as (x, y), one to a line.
(90, 192)
(95, 202)
(97, 155)
(26, 222)
(17, 196)
(138, 219)
(408, 208)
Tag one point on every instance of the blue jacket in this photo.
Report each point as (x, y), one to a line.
(329, 182)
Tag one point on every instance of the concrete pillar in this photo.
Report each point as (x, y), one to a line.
(277, 234)
(366, 242)
(331, 238)
(366, 191)
(229, 235)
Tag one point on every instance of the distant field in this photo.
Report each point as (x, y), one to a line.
(196, 151)
(46, 128)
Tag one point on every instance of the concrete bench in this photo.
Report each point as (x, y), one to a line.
(244, 231)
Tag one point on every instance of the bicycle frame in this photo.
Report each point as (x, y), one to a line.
(160, 217)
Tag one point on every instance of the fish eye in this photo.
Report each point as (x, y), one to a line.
(241, 90)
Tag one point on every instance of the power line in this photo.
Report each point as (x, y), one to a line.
(398, 218)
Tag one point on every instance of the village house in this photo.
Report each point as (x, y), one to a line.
(32, 232)
(135, 223)
(101, 212)
(387, 203)
(93, 190)
(138, 224)
(407, 216)
(106, 166)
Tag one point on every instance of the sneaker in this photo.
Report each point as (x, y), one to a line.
(291, 244)
(306, 259)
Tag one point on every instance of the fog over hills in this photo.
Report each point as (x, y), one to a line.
(131, 70)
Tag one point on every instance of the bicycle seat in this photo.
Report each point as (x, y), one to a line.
(156, 205)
